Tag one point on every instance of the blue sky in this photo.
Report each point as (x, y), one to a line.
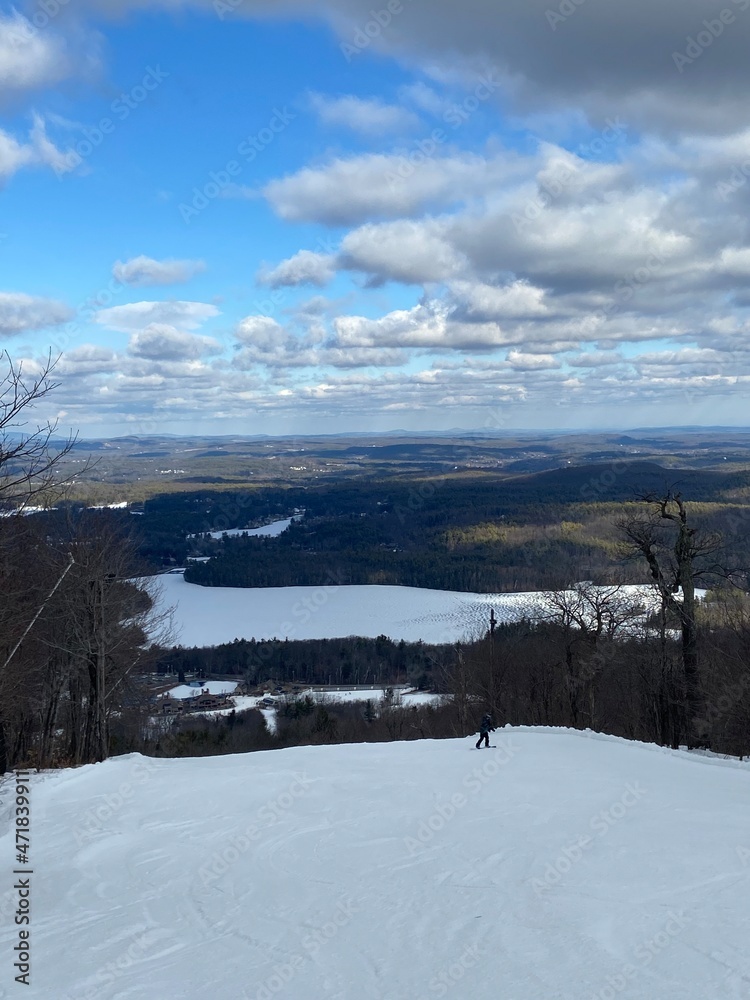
(238, 222)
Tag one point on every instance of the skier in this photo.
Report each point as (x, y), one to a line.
(485, 728)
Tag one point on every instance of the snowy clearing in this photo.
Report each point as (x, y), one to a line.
(401, 697)
(185, 691)
(272, 530)
(404, 698)
(555, 866)
(209, 616)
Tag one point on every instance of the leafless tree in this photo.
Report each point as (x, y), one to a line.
(678, 556)
(29, 458)
(590, 619)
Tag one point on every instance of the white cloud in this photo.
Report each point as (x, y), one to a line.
(517, 300)
(734, 262)
(39, 150)
(260, 331)
(532, 362)
(368, 116)
(595, 359)
(140, 272)
(137, 316)
(405, 251)
(21, 313)
(29, 58)
(165, 343)
(304, 268)
(377, 186)
(266, 342)
(88, 359)
(424, 98)
(426, 327)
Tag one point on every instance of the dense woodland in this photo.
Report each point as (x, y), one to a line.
(475, 537)
(465, 532)
(314, 661)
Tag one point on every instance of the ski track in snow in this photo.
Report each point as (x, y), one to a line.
(332, 873)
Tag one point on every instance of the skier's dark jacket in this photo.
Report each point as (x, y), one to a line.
(485, 726)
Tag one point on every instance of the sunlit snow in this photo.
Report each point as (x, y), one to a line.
(556, 865)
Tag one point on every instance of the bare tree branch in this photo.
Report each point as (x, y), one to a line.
(29, 460)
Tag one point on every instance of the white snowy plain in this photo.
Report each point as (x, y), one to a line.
(557, 866)
(272, 530)
(210, 616)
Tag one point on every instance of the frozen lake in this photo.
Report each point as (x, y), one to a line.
(210, 616)
(272, 530)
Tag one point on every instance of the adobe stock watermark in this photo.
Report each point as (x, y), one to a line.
(238, 844)
(554, 182)
(600, 826)
(565, 10)
(220, 182)
(224, 7)
(455, 115)
(451, 975)
(86, 312)
(121, 108)
(643, 955)
(303, 610)
(26, 27)
(378, 22)
(736, 180)
(96, 817)
(597, 485)
(312, 944)
(446, 811)
(721, 706)
(496, 420)
(144, 947)
(711, 29)
(627, 288)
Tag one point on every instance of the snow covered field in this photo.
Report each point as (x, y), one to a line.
(555, 867)
(186, 691)
(402, 697)
(405, 698)
(209, 616)
(272, 530)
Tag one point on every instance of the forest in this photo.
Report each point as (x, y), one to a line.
(347, 661)
(460, 539)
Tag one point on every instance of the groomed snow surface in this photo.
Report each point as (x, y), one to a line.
(210, 616)
(556, 866)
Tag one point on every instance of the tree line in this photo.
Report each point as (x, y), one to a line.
(351, 661)
(73, 618)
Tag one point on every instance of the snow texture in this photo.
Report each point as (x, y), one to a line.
(210, 616)
(185, 691)
(555, 867)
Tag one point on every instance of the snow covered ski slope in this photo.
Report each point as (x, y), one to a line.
(555, 867)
